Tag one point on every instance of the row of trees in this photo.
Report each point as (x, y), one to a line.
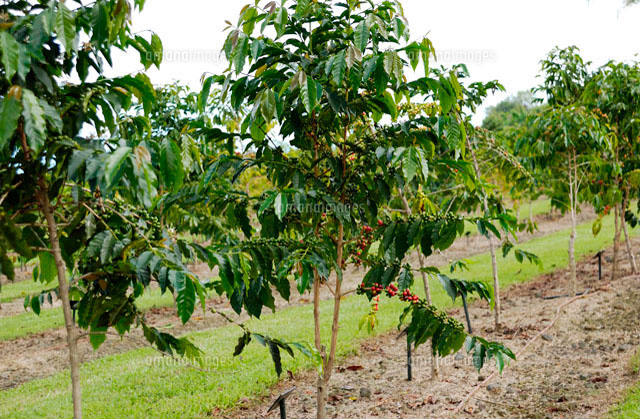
(581, 143)
(103, 178)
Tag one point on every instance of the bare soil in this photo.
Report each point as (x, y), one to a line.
(579, 368)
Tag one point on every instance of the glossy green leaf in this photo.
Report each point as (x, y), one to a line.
(308, 92)
(10, 110)
(339, 67)
(65, 27)
(361, 35)
(171, 164)
(34, 121)
(280, 206)
(10, 50)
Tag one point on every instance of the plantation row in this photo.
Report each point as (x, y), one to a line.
(331, 142)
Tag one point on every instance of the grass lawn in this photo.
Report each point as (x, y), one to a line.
(630, 407)
(19, 290)
(131, 382)
(51, 318)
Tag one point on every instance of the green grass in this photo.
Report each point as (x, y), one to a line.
(19, 290)
(130, 383)
(630, 407)
(51, 318)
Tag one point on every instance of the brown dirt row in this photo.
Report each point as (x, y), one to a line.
(578, 369)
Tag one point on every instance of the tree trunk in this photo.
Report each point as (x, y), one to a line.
(322, 387)
(572, 252)
(322, 397)
(531, 211)
(573, 208)
(492, 247)
(627, 239)
(435, 373)
(616, 243)
(74, 356)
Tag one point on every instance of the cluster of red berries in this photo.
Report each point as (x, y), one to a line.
(364, 241)
(607, 210)
(376, 289)
(392, 290)
(409, 297)
(377, 301)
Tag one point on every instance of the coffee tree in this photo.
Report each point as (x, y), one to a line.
(77, 184)
(566, 136)
(614, 96)
(322, 82)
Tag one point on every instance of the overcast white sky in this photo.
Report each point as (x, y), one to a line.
(497, 39)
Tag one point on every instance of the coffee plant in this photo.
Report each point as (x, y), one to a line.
(322, 83)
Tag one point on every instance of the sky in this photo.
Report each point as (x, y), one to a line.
(500, 40)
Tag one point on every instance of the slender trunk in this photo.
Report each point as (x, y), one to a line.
(616, 243)
(435, 373)
(74, 356)
(572, 252)
(627, 239)
(531, 211)
(573, 208)
(492, 246)
(323, 380)
(321, 392)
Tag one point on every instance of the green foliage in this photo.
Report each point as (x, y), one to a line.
(76, 160)
(484, 351)
(455, 288)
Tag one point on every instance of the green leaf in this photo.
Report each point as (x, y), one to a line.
(158, 50)
(240, 52)
(390, 103)
(35, 305)
(281, 21)
(405, 279)
(34, 122)
(353, 56)
(41, 28)
(47, 267)
(24, 62)
(65, 27)
(106, 250)
(203, 97)
(186, 294)
(98, 336)
(101, 23)
(303, 8)
(114, 164)
(268, 105)
(361, 35)
(597, 226)
(171, 164)
(410, 163)
(267, 203)
(339, 67)
(449, 287)
(10, 54)
(280, 206)
(10, 110)
(308, 92)
(274, 350)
